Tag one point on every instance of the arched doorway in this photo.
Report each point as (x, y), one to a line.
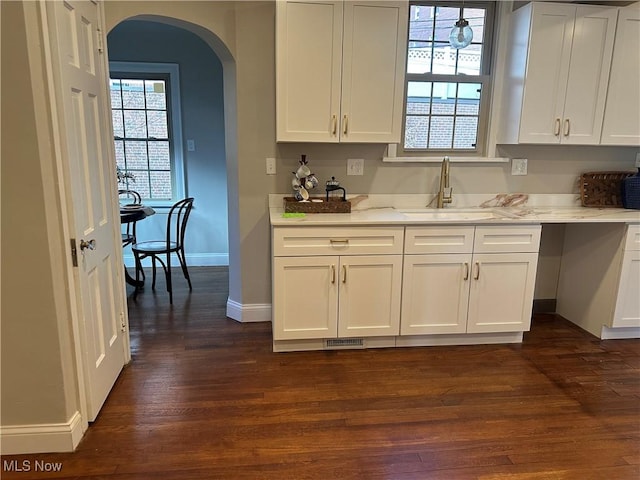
(207, 80)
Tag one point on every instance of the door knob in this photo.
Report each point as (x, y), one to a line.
(91, 244)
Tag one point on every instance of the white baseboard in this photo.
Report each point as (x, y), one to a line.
(42, 438)
(257, 312)
(619, 333)
(193, 260)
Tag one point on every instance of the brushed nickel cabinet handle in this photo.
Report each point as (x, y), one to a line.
(345, 123)
(477, 275)
(344, 274)
(556, 129)
(338, 240)
(333, 274)
(334, 123)
(567, 127)
(466, 271)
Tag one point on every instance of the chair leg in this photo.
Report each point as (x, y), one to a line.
(183, 264)
(168, 276)
(153, 269)
(138, 262)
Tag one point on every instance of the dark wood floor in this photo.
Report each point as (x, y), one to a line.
(205, 398)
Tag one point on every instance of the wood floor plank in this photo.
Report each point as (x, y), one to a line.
(206, 398)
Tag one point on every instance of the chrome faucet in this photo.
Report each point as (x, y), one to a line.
(444, 193)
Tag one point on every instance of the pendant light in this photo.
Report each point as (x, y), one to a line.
(461, 33)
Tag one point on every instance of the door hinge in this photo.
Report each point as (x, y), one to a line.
(123, 326)
(74, 252)
(100, 41)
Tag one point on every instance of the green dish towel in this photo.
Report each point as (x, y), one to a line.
(293, 215)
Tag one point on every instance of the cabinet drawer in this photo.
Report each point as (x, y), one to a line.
(291, 242)
(633, 238)
(455, 239)
(507, 238)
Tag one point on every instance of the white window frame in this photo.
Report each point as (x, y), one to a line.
(178, 186)
(487, 152)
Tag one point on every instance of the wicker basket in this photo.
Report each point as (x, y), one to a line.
(602, 189)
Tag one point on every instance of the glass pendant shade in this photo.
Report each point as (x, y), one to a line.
(461, 34)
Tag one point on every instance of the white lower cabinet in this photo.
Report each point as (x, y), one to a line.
(627, 310)
(336, 297)
(382, 284)
(339, 283)
(465, 279)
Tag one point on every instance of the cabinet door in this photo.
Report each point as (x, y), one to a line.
(369, 295)
(374, 45)
(308, 63)
(501, 292)
(305, 297)
(621, 118)
(435, 294)
(591, 52)
(547, 72)
(627, 310)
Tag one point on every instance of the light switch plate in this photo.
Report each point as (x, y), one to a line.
(271, 166)
(518, 166)
(355, 166)
(191, 145)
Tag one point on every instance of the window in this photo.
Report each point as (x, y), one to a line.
(146, 126)
(447, 91)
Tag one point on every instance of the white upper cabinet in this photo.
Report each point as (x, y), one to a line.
(340, 71)
(557, 73)
(622, 110)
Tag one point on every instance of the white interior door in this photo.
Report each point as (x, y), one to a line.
(85, 135)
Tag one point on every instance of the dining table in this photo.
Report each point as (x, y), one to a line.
(130, 214)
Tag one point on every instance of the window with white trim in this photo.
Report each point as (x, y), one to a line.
(447, 90)
(147, 131)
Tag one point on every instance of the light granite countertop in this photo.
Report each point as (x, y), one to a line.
(466, 209)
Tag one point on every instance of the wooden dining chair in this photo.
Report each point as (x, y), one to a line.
(129, 197)
(172, 243)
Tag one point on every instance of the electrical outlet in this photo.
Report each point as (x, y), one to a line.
(271, 166)
(355, 166)
(518, 166)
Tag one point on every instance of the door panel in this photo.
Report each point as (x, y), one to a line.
(627, 311)
(435, 294)
(369, 295)
(305, 297)
(501, 296)
(84, 120)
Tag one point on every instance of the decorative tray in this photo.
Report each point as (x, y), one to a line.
(333, 205)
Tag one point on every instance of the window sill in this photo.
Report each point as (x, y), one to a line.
(439, 159)
(392, 148)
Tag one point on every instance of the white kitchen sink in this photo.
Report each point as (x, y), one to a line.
(451, 214)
